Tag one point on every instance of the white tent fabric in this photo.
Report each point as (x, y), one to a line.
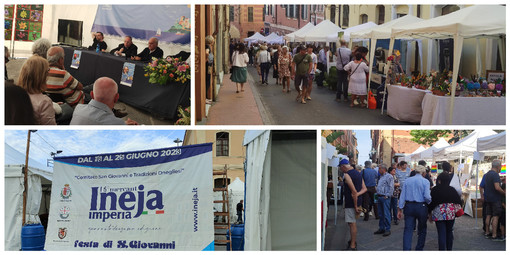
(274, 38)
(320, 33)
(236, 194)
(350, 30)
(492, 145)
(256, 221)
(13, 194)
(490, 21)
(465, 147)
(279, 193)
(409, 157)
(291, 37)
(428, 154)
(255, 37)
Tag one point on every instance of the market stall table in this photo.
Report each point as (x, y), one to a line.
(162, 100)
(467, 110)
(404, 103)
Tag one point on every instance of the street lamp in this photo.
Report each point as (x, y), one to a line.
(53, 154)
(177, 141)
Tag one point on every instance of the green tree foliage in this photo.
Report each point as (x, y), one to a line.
(429, 137)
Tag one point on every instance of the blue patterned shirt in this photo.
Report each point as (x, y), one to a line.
(386, 185)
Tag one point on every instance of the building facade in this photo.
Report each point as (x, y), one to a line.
(210, 20)
(227, 149)
(248, 19)
(283, 19)
(391, 144)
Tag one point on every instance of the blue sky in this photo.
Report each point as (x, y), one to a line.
(85, 142)
(364, 145)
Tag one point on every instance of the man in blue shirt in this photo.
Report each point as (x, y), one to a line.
(492, 197)
(413, 201)
(370, 177)
(484, 204)
(384, 193)
(354, 187)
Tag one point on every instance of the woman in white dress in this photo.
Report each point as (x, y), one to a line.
(357, 70)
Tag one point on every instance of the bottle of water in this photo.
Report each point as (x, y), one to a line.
(97, 47)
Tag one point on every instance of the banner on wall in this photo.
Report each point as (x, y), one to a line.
(168, 23)
(29, 19)
(143, 200)
(8, 20)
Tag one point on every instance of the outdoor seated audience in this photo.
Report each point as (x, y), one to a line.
(127, 48)
(99, 40)
(18, 107)
(152, 51)
(40, 47)
(60, 82)
(445, 203)
(99, 110)
(32, 78)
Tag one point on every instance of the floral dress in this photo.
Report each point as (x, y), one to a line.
(445, 211)
(283, 65)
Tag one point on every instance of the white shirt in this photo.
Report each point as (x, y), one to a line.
(240, 60)
(264, 57)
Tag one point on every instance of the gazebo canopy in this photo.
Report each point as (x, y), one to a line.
(321, 33)
(465, 147)
(291, 37)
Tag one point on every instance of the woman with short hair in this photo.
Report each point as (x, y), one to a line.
(32, 78)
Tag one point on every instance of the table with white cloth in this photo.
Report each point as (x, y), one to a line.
(466, 110)
(404, 103)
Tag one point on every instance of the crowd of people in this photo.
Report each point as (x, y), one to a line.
(50, 95)
(301, 63)
(396, 193)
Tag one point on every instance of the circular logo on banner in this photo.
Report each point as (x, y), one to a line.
(65, 193)
(64, 212)
(62, 232)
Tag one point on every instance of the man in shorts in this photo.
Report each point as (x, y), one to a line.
(492, 196)
(302, 65)
(354, 187)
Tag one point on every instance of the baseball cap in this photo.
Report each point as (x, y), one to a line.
(344, 162)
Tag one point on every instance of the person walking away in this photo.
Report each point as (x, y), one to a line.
(396, 194)
(322, 65)
(264, 61)
(239, 209)
(370, 177)
(357, 79)
(301, 68)
(445, 203)
(414, 197)
(492, 195)
(384, 189)
(277, 51)
(312, 73)
(343, 57)
(284, 61)
(353, 188)
(239, 72)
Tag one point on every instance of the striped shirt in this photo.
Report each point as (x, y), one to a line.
(61, 82)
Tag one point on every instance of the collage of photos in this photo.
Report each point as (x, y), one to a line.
(285, 127)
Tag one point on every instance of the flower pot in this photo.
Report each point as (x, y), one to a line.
(438, 92)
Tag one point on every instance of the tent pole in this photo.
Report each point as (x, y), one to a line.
(390, 52)
(457, 42)
(476, 196)
(25, 179)
(502, 52)
(370, 65)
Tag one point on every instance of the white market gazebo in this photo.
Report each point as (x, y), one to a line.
(320, 33)
(301, 32)
(472, 22)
